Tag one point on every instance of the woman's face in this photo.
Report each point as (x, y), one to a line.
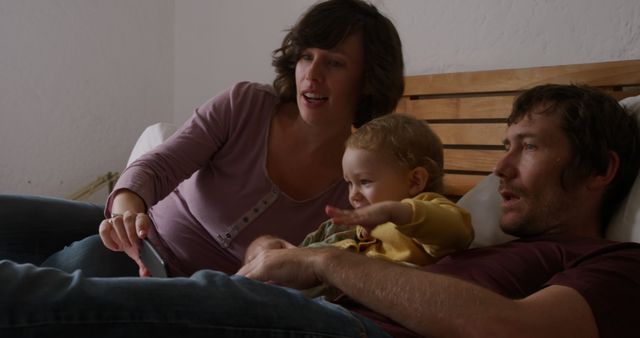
(329, 82)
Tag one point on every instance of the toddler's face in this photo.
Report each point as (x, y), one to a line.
(374, 177)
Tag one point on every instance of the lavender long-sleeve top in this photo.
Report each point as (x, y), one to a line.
(208, 188)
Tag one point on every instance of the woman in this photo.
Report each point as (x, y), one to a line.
(255, 159)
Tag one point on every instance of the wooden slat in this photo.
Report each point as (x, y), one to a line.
(470, 133)
(622, 95)
(616, 73)
(470, 107)
(458, 185)
(459, 107)
(471, 160)
(472, 97)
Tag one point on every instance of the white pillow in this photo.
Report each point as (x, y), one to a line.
(483, 202)
(625, 224)
(152, 136)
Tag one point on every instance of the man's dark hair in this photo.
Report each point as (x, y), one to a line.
(324, 26)
(595, 125)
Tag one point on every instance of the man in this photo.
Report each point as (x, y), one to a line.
(571, 156)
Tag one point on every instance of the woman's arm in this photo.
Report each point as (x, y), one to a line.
(127, 200)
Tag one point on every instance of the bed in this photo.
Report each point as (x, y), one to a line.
(468, 111)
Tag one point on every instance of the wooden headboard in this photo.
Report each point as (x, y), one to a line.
(468, 110)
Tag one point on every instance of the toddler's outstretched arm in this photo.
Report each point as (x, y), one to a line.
(372, 215)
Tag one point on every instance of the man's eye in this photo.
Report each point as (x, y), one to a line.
(529, 146)
(335, 63)
(306, 57)
(365, 182)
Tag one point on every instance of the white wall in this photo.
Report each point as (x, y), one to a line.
(462, 35)
(221, 42)
(79, 79)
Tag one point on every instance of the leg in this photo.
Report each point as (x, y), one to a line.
(42, 302)
(34, 227)
(93, 258)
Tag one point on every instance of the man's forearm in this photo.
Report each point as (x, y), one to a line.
(427, 303)
(262, 243)
(441, 306)
(417, 300)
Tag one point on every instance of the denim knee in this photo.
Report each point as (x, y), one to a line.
(93, 258)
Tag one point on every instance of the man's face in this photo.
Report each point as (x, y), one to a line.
(533, 200)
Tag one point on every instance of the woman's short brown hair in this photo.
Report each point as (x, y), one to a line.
(324, 26)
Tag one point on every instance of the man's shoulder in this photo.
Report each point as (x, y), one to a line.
(579, 249)
(585, 242)
(520, 267)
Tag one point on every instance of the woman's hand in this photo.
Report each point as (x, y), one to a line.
(123, 233)
(128, 224)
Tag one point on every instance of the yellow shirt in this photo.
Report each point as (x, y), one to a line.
(438, 227)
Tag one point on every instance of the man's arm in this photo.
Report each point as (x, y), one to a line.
(262, 243)
(427, 303)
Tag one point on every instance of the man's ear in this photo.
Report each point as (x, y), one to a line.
(600, 181)
(366, 89)
(418, 178)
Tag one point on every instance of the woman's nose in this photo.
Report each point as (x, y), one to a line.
(314, 71)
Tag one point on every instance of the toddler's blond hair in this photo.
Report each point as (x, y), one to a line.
(411, 141)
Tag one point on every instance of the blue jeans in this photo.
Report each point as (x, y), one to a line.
(43, 302)
(58, 233)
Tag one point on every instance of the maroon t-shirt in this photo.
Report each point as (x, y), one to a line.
(605, 273)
